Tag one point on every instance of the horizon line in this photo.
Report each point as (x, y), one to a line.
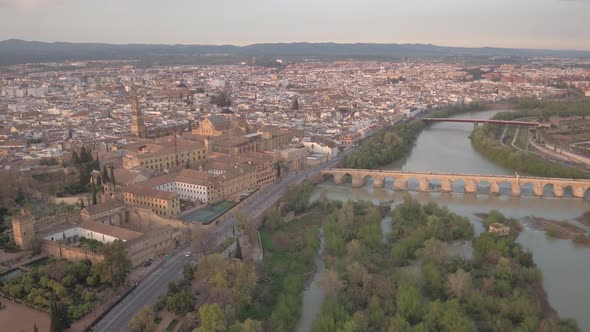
(298, 42)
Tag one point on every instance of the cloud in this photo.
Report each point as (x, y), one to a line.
(28, 5)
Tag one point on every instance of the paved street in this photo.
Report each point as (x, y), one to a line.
(156, 284)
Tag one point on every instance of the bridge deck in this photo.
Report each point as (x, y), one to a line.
(501, 122)
(431, 174)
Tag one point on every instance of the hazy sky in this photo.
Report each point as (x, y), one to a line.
(554, 24)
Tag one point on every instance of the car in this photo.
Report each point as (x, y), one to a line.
(187, 254)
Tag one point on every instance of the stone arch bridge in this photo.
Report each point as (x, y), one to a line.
(470, 181)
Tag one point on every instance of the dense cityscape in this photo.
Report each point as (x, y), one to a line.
(294, 167)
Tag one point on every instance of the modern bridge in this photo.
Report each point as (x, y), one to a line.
(470, 181)
(478, 121)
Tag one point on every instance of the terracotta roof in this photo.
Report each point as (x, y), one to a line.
(118, 232)
(145, 191)
(102, 207)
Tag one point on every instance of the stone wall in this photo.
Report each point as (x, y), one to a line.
(63, 251)
(143, 220)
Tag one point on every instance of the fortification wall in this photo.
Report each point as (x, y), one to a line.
(60, 250)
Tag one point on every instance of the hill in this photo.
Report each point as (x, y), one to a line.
(14, 51)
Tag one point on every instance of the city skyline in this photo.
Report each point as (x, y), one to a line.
(545, 24)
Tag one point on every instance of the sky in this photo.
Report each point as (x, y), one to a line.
(548, 24)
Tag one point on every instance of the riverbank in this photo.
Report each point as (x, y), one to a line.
(559, 230)
(487, 139)
(584, 219)
(486, 142)
(553, 228)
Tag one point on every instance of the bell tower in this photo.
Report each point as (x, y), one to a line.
(137, 124)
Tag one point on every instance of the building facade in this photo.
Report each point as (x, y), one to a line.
(162, 203)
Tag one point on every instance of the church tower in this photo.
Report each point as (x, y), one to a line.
(137, 124)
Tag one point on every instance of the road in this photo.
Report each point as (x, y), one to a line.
(156, 284)
(147, 292)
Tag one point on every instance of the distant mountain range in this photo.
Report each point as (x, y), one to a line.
(14, 51)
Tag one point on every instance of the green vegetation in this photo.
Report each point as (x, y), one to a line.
(172, 325)
(116, 265)
(85, 163)
(90, 244)
(385, 147)
(64, 282)
(224, 245)
(58, 315)
(48, 161)
(531, 107)
(222, 99)
(180, 300)
(411, 283)
(486, 141)
(143, 321)
(298, 198)
(289, 253)
(40, 177)
(6, 242)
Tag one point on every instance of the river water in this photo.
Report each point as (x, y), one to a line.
(445, 147)
(313, 295)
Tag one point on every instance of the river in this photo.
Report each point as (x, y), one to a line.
(313, 295)
(445, 147)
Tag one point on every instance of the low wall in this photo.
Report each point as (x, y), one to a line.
(63, 251)
(231, 212)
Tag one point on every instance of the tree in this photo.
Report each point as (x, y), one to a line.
(143, 321)
(58, 314)
(409, 304)
(75, 158)
(238, 253)
(244, 225)
(82, 206)
(201, 239)
(189, 271)
(112, 176)
(94, 199)
(249, 325)
(459, 283)
(181, 302)
(212, 319)
(105, 175)
(116, 263)
(434, 251)
(222, 99)
(331, 282)
(84, 156)
(295, 104)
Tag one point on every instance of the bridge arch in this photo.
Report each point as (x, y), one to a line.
(328, 178)
(484, 186)
(506, 187)
(527, 189)
(549, 190)
(388, 182)
(568, 191)
(458, 185)
(374, 180)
